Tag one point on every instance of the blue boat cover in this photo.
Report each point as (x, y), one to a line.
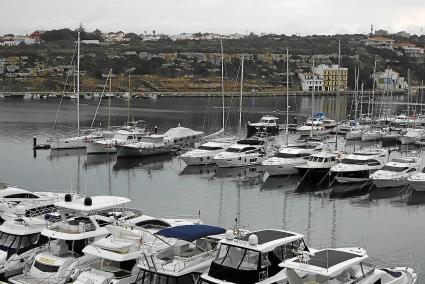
(190, 233)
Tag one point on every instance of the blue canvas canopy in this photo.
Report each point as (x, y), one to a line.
(190, 233)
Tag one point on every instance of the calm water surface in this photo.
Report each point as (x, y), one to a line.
(389, 225)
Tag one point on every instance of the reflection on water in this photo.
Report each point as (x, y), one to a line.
(148, 163)
(388, 193)
(206, 170)
(289, 183)
(164, 186)
(350, 189)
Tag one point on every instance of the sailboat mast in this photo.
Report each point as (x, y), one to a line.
(109, 100)
(408, 94)
(222, 78)
(129, 96)
(312, 100)
(78, 82)
(240, 99)
(339, 80)
(287, 96)
(373, 88)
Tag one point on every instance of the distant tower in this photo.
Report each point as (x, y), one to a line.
(371, 29)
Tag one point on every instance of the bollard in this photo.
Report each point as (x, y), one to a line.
(34, 141)
(156, 129)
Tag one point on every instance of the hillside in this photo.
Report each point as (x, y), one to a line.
(192, 65)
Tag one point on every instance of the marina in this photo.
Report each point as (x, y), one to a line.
(163, 185)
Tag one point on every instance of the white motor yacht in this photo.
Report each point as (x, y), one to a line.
(154, 144)
(357, 167)
(314, 128)
(346, 127)
(182, 136)
(268, 125)
(343, 265)
(289, 156)
(20, 238)
(33, 203)
(131, 132)
(204, 154)
(83, 222)
(319, 165)
(118, 253)
(253, 258)
(244, 153)
(396, 172)
(371, 135)
(417, 181)
(185, 260)
(412, 135)
(354, 134)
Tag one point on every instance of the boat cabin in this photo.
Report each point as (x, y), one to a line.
(184, 261)
(253, 257)
(347, 265)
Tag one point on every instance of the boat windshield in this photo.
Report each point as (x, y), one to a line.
(120, 270)
(148, 277)
(369, 162)
(267, 120)
(210, 148)
(288, 155)
(394, 169)
(237, 258)
(46, 267)
(10, 242)
(233, 150)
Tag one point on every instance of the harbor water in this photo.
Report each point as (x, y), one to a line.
(390, 223)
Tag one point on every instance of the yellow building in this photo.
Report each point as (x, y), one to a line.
(334, 77)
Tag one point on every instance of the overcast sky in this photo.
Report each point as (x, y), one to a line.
(221, 16)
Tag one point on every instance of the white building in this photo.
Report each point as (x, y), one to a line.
(389, 80)
(90, 41)
(379, 42)
(307, 81)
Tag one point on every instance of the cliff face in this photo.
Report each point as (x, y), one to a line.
(193, 65)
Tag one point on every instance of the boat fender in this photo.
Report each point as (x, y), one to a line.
(68, 197)
(88, 201)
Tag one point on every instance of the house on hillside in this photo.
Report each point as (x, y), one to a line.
(409, 49)
(379, 42)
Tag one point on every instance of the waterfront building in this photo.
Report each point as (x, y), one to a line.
(308, 81)
(334, 77)
(389, 80)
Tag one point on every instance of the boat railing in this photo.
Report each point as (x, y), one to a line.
(175, 263)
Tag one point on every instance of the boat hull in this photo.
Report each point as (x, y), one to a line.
(280, 170)
(67, 144)
(141, 152)
(418, 185)
(97, 148)
(389, 183)
(405, 140)
(236, 162)
(198, 161)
